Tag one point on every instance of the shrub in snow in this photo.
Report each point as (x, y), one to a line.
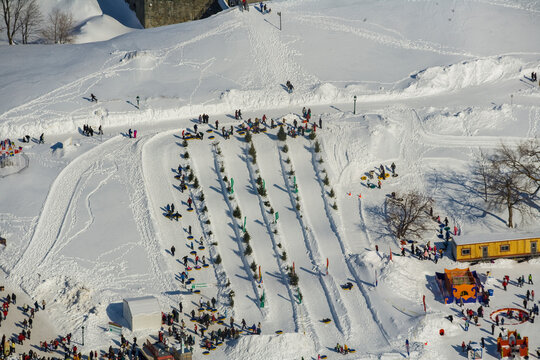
(248, 250)
(281, 135)
(236, 213)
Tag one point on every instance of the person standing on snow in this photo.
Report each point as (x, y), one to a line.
(189, 201)
(173, 249)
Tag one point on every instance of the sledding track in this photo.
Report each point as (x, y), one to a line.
(58, 222)
(246, 294)
(355, 304)
(279, 305)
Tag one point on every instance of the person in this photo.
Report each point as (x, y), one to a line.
(93, 98)
(138, 98)
(530, 280)
(130, 132)
(135, 134)
(173, 249)
(189, 201)
(393, 167)
(41, 138)
(100, 130)
(43, 304)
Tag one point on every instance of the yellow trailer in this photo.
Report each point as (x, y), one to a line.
(494, 246)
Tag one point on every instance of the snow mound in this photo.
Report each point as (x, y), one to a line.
(72, 297)
(288, 346)
(100, 28)
(461, 75)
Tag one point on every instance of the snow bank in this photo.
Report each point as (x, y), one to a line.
(100, 28)
(465, 74)
(262, 347)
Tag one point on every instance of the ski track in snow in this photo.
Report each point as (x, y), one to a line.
(54, 212)
(344, 25)
(81, 87)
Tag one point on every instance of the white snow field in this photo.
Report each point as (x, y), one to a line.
(435, 82)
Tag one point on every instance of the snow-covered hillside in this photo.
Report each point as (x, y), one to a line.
(434, 83)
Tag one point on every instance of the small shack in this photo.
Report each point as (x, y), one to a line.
(458, 284)
(142, 313)
(493, 246)
(512, 346)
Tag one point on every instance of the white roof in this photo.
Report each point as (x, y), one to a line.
(143, 305)
(471, 239)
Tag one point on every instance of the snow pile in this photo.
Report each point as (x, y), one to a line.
(465, 74)
(100, 28)
(262, 347)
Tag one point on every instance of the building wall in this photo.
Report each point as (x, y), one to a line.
(153, 13)
(517, 248)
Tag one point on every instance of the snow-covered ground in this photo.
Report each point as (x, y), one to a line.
(435, 83)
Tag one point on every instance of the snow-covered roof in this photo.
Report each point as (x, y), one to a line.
(471, 239)
(143, 305)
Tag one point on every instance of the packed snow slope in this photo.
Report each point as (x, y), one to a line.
(435, 83)
(329, 51)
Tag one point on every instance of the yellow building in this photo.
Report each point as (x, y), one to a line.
(493, 246)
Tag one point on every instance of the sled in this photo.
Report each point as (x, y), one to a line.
(326, 321)
(219, 343)
(213, 310)
(177, 177)
(221, 317)
(348, 286)
(364, 178)
(189, 269)
(279, 332)
(206, 265)
(211, 137)
(324, 357)
(263, 130)
(188, 282)
(200, 309)
(386, 175)
(241, 132)
(447, 228)
(394, 175)
(191, 279)
(190, 209)
(372, 186)
(193, 252)
(206, 352)
(193, 320)
(197, 267)
(197, 291)
(209, 130)
(201, 247)
(220, 322)
(352, 351)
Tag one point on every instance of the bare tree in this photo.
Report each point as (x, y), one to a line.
(524, 160)
(12, 11)
(481, 172)
(31, 19)
(507, 187)
(59, 28)
(407, 216)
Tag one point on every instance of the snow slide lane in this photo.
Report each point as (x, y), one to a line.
(245, 301)
(315, 303)
(279, 303)
(357, 310)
